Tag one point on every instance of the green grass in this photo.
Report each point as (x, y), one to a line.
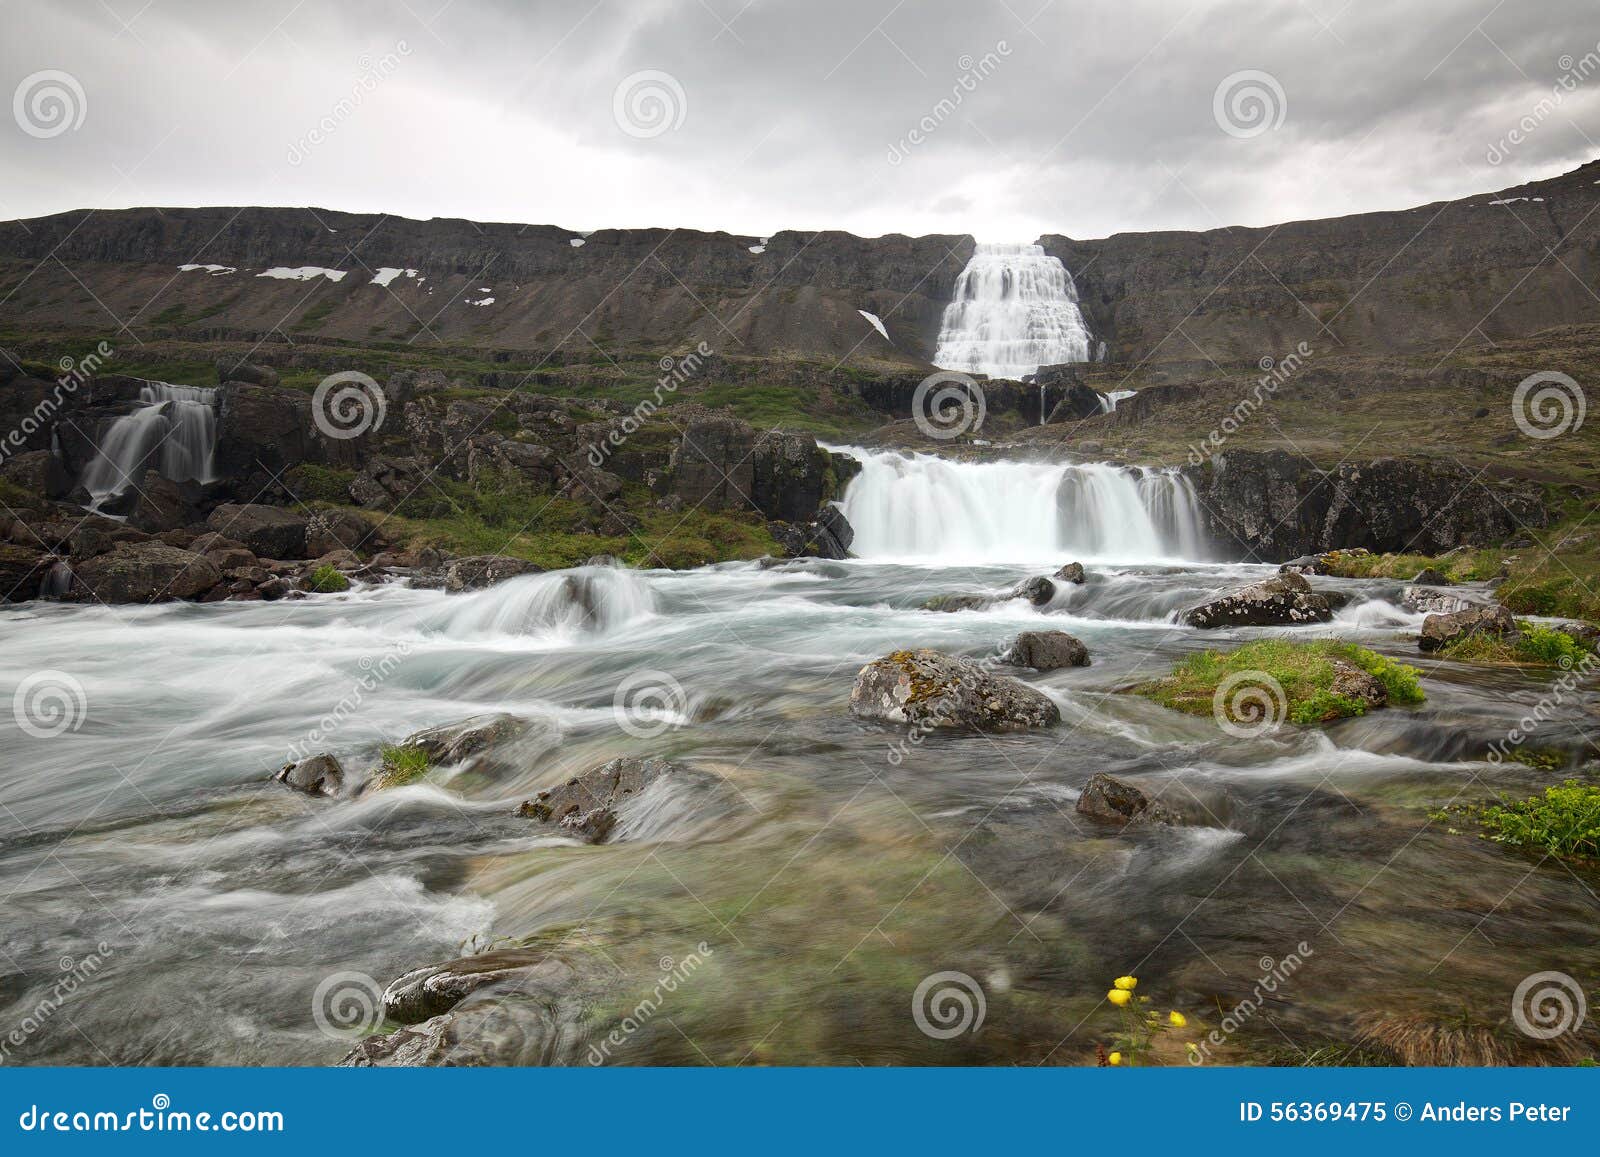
(313, 483)
(1564, 821)
(1463, 566)
(327, 580)
(1533, 645)
(1304, 670)
(402, 764)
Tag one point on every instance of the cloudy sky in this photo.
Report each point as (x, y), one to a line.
(1002, 118)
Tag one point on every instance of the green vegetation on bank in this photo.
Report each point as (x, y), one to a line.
(1303, 670)
(1564, 821)
(1462, 566)
(327, 580)
(1532, 645)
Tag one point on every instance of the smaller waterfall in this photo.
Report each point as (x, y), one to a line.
(174, 432)
(1109, 400)
(558, 606)
(922, 508)
(1014, 309)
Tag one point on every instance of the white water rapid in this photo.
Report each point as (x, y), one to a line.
(174, 431)
(1015, 309)
(916, 507)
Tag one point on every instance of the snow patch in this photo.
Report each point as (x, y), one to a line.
(214, 270)
(387, 273)
(577, 242)
(303, 273)
(877, 322)
(482, 301)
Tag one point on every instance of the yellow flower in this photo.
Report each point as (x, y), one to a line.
(1177, 1019)
(1126, 983)
(1115, 1058)
(1119, 996)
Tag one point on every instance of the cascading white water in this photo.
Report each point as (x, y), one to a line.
(919, 507)
(561, 606)
(1015, 309)
(174, 431)
(1109, 399)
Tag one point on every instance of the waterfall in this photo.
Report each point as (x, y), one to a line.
(174, 431)
(1015, 309)
(1109, 399)
(923, 508)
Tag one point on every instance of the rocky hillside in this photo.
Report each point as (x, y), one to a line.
(1429, 277)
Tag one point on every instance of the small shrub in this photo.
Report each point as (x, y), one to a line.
(1564, 821)
(1542, 646)
(327, 580)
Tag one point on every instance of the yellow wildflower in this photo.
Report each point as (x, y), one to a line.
(1115, 1058)
(1119, 996)
(1177, 1019)
(1126, 983)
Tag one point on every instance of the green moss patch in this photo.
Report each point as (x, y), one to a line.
(327, 580)
(1304, 672)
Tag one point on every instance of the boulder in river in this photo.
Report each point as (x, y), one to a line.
(1047, 651)
(1351, 682)
(1432, 601)
(1288, 598)
(145, 572)
(1439, 631)
(585, 807)
(926, 688)
(958, 603)
(1038, 590)
(1071, 573)
(453, 743)
(1107, 798)
(318, 775)
(485, 570)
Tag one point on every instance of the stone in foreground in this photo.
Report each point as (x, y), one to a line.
(926, 688)
(1047, 651)
(1439, 631)
(1286, 599)
(1107, 798)
(319, 775)
(585, 807)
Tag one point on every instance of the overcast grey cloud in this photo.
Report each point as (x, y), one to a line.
(1002, 118)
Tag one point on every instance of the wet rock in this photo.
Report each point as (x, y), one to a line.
(1305, 564)
(318, 775)
(1047, 651)
(1431, 577)
(269, 531)
(958, 603)
(585, 806)
(1071, 573)
(477, 737)
(1287, 598)
(163, 505)
(38, 472)
(1107, 798)
(829, 535)
(927, 688)
(1352, 682)
(1037, 591)
(22, 571)
(145, 572)
(485, 570)
(1441, 630)
(424, 993)
(1427, 600)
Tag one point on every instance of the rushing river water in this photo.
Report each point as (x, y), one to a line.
(813, 871)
